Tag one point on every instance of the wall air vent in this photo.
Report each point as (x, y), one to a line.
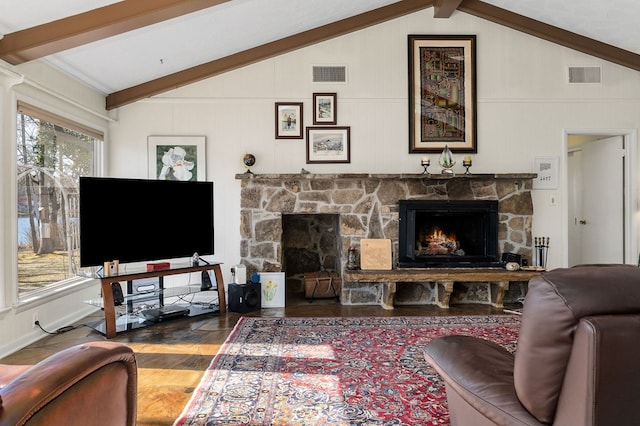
(329, 74)
(585, 75)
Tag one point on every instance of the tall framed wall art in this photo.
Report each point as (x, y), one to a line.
(442, 93)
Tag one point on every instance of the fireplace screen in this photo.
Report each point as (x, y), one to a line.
(448, 233)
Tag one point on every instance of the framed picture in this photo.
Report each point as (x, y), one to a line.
(325, 108)
(273, 289)
(547, 170)
(177, 157)
(442, 93)
(328, 145)
(289, 120)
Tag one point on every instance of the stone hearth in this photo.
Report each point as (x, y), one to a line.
(367, 207)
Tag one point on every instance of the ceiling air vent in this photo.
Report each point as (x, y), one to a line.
(329, 74)
(585, 75)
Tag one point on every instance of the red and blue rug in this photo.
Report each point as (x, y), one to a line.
(333, 371)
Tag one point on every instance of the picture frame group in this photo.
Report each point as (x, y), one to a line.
(325, 142)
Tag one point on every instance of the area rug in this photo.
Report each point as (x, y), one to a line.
(333, 371)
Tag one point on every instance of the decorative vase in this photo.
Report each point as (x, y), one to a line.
(447, 161)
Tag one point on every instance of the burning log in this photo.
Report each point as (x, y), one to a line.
(436, 242)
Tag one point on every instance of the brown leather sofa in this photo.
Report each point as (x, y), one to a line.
(89, 384)
(577, 360)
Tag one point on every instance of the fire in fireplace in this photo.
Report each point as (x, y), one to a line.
(436, 233)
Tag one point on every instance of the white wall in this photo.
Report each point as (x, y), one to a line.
(524, 107)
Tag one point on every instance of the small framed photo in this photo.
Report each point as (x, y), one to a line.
(177, 158)
(289, 120)
(328, 145)
(325, 108)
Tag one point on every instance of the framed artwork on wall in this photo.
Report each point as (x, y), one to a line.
(177, 158)
(442, 93)
(325, 108)
(273, 289)
(289, 120)
(547, 170)
(328, 145)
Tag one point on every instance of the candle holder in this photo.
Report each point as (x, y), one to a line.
(425, 165)
(466, 164)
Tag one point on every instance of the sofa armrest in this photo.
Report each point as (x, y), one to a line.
(93, 383)
(480, 372)
(601, 382)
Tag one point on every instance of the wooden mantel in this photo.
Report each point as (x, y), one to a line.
(423, 176)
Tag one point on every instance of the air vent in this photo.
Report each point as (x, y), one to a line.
(585, 75)
(329, 74)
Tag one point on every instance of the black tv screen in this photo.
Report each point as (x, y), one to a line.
(135, 220)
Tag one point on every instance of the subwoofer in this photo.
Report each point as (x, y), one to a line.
(244, 297)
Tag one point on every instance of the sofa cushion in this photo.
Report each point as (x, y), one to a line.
(555, 302)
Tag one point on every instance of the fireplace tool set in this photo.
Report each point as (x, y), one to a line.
(541, 247)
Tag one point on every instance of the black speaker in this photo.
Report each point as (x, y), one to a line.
(118, 296)
(244, 297)
(206, 281)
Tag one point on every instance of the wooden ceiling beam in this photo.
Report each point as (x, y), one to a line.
(265, 51)
(445, 8)
(550, 33)
(53, 37)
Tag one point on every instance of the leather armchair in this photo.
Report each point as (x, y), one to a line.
(88, 384)
(576, 362)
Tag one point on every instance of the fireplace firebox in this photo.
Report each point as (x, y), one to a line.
(448, 234)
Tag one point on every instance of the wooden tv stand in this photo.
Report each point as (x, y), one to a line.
(129, 274)
(444, 278)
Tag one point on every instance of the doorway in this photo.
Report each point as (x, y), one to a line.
(599, 219)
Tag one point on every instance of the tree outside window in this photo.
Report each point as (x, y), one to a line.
(51, 156)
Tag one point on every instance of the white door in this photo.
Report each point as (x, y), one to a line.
(597, 221)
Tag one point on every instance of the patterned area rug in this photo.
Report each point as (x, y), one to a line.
(333, 371)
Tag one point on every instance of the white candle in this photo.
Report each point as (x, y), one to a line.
(425, 159)
(467, 158)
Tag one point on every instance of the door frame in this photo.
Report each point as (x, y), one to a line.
(631, 206)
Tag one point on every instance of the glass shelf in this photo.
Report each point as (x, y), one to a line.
(132, 321)
(156, 294)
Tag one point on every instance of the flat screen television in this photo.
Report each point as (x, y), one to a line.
(136, 220)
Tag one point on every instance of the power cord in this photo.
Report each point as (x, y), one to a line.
(60, 330)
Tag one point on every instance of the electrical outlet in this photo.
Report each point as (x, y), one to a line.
(34, 319)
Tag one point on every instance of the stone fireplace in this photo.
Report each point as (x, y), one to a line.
(361, 206)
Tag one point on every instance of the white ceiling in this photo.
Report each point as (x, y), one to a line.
(138, 56)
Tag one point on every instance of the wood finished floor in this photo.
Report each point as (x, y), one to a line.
(172, 356)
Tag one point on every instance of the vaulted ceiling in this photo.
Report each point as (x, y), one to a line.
(133, 49)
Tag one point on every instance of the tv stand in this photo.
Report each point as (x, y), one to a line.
(109, 328)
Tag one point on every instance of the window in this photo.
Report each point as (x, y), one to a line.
(52, 153)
